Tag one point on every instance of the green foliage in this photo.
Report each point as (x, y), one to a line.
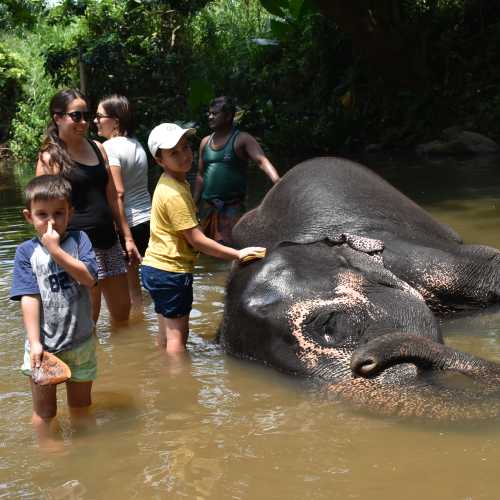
(420, 66)
(12, 76)
(14, 13)
(283, 89)
(30, 120)
(200, 92)
(221, 38)
(132, 47)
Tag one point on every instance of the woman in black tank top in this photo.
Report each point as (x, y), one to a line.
(97, 208)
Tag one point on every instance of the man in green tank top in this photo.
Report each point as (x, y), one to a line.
(221, 182)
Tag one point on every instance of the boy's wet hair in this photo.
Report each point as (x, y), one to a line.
(226, 103)
(46, 188)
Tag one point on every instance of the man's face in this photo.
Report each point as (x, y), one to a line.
(217, 118)
(56, 211)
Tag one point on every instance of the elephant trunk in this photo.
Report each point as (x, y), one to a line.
(381, 353)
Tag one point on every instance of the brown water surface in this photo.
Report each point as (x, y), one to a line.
(211, 427)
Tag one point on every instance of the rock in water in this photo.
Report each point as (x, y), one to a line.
(52, 370)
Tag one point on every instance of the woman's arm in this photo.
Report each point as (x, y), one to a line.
(30, 307)
(116, 173)
(118, 211)
(43, 165)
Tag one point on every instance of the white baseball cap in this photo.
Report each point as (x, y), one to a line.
(166, 136)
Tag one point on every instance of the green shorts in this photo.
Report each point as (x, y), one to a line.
(81, 360)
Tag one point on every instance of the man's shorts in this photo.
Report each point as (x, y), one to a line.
(110, 261)
(140, 233)
(172, 293)
(81, 360)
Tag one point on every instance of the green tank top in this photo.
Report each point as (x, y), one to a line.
(225, 173)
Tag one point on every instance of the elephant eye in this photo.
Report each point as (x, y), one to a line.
(328, 339)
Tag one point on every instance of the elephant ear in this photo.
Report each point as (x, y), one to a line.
(363, 244)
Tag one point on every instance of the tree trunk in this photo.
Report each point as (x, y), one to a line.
(83, 73)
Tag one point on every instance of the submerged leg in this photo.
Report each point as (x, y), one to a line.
(173, 333)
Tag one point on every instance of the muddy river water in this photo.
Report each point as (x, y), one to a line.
(212, 427)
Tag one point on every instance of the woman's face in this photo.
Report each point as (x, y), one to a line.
(106, 125)
(74, 122)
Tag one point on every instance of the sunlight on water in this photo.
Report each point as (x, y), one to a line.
(209, 426)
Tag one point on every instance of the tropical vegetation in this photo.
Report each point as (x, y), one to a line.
(310, 76)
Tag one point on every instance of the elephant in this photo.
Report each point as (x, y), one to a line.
(349, 292)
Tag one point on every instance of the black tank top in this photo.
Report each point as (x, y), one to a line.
(92, 212)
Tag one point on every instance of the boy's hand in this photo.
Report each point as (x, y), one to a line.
(51, 238)
(251, 253)
(36, 354)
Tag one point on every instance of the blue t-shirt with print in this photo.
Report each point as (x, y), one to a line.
(65, 316)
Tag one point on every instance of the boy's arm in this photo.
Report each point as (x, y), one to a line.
(74, 267)
(30, 307)
(202, 243)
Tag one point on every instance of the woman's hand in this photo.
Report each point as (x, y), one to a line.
(132, 253)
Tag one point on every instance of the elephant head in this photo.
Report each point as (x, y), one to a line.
(330, 310)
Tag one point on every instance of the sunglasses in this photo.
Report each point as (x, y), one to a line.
(76, 116)
(98, 116)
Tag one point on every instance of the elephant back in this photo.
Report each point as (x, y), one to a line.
(329, 195)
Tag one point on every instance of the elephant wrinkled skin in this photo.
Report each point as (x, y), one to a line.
(347, 294)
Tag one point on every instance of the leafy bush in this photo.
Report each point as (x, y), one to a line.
(30, 119)
(12, 76)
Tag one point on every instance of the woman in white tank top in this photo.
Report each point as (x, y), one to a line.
(129, 168)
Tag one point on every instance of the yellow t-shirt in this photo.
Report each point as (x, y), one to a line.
(173, 210)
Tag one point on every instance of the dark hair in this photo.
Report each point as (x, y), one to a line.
(118, 106)
(52, 143)
(226, 103)
(47, 187)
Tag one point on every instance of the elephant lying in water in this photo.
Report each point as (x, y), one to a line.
(347, 291)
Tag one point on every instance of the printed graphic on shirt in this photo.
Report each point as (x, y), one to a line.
(65, 316)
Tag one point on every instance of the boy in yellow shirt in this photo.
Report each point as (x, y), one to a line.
(176, 238)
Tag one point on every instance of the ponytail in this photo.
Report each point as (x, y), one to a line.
(59, 159)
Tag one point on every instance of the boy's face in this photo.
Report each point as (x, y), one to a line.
(178, 160)
(57, 211)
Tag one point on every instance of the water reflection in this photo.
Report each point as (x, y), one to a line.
(209, 426)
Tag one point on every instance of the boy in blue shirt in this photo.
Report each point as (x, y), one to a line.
(52, 276)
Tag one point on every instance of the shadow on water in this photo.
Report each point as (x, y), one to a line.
(210, 426)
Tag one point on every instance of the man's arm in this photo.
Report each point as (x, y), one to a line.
(30, 307)
(198, 185)
(252, 150)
